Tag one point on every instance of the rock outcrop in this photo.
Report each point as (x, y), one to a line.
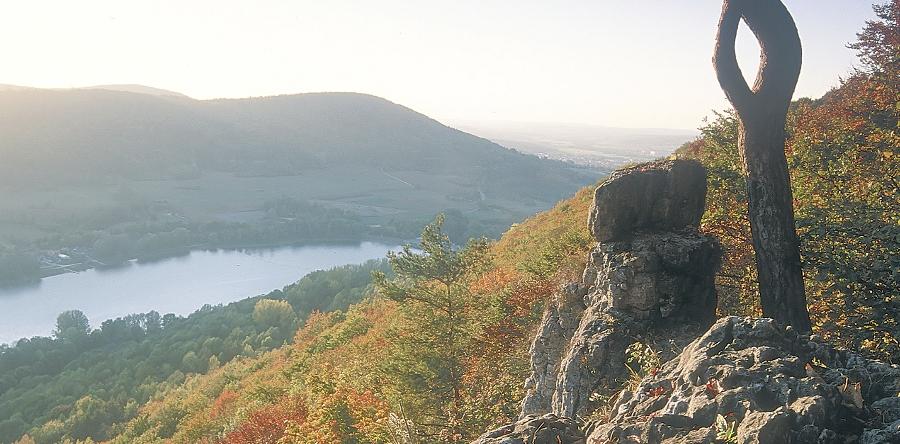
(751, 381)
(535, 430)
(658, 196)
(651, 269)
(743, 380)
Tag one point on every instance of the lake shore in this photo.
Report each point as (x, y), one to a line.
(177, 285)
(89, 263)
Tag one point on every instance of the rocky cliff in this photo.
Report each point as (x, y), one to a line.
(651, 272)
(650, 280)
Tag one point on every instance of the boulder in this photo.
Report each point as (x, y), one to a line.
(657, 196)
(532, 429)
(651, 279)
(886, 435)
(888, 408)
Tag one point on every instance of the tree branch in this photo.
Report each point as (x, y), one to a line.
(781, 55)
(728, 72)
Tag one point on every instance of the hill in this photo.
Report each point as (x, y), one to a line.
(253, 396)
(360, 375)
(51, 382)
(138, 89)
(372, 372)
(132, 132)
(144, 378)
(83, 167)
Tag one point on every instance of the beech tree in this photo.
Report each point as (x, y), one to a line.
(762, 111)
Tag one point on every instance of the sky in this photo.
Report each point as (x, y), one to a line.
(599, 62)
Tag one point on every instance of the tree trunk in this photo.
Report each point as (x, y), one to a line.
(455, 378)
(762, 111)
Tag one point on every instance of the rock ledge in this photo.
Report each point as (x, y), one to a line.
(759, 383)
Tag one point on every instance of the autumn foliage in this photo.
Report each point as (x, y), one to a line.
(844, 160)
(267, 425)
(370, 374)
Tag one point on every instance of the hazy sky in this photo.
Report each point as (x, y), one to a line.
(605, 62)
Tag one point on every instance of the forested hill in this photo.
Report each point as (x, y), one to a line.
(106, 175)
(64, 136)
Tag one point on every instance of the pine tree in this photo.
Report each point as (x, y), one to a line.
(431, 286)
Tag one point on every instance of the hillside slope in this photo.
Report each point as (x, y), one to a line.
(328, 386)
(115, 174)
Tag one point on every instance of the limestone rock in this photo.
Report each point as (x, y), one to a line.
(886, 435)
(640, 287)
(764, 427)
(658, 196)
(651, 278)
(549, 346)
(532, 429)
(888, 408)
(645, 284)
(595, 357)
(761, 381)
(657, 276)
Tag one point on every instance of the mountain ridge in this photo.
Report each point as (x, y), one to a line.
(98, 124)
(81, 165)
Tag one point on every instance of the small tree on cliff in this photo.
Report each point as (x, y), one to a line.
(762, 111)
(432, 287)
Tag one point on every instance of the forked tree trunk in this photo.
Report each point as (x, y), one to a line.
(762, 111)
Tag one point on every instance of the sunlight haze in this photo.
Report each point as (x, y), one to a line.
(454, 222)
(628, 64)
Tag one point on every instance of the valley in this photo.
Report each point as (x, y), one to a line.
(600, 147)
(137, 173)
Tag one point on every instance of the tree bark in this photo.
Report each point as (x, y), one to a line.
(762, 111)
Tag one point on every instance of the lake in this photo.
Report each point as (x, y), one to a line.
(177, 285)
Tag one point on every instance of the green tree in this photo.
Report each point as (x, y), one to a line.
(213, 363)
(113, 248)
(12, 428)
(72, 325)
(431, 286)
(877, 45)
(456, 225)
(844, 160)
(25, 439)
(846, 152)
(275, 313)
(50, 432)
(18, 267)
(192, 363)
(88, 415)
